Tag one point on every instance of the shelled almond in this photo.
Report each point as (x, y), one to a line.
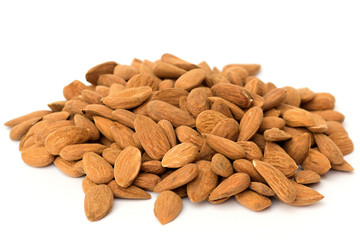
(185, 130)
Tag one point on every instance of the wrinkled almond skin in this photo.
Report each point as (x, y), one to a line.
(190, 79)
(304, 195)
(127, 166)
(167, 206)
(180, 155)
(207, 120)
(329, 148)
(316, 162)
(131, 192)
(233, 185)
(189, 135)
(37, 156)
(233, 93)
(278, 182)
(221, 165)
(98, 202)
(253, 200)
(250, 123)
(200, 188)
(225, 146)
(97, 168)
(65, 136)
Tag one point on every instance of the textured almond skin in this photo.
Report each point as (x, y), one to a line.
(65, 136)
(167, 207)
(124, 117)
(225, 146)
(271, 122)
(316, 162)
(127, 166)
(13, 122)
(174, 60)
(128, 98)
(81, 121)
(37, 156)
(343, 142)
(344, 167)
(233, 93)
(146, 181)
(190, 79)
(67, 167)
(273, 98)
(278, 182)
(233, 185)
(245, 166)
(221, 107)
(197, 100)
(171, 95)
(298, 147)
(226, 128)
(207, 120)
(18, 131)
(275, 135)
(42, 134)
(262, 189)
(221, 165)
(304, 195)
(152, 166)
(169, 131)
(252, 151)
(166, 70)
(141, 80)
(307, 177)
(298, 117)
(250, 123)
(110, 154)
(178, 178)
(93, 74)
(76, 151)
(122, 135)
(98, 202)
(237, 112)
(97, 168)
(187, 134)
(159, 110)
(151, 137)
(180, 155)
(131, 192)
(329, 149)
(253, 200)
(200, 188)
(320, 102)
(330, 115)
(277, 157)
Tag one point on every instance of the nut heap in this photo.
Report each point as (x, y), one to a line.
(186, 130)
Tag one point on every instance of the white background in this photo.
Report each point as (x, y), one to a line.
(45, 45)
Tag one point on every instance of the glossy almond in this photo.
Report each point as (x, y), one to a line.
(169, 131)
(166, 70)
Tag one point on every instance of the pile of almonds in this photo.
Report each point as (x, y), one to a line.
(186, 130)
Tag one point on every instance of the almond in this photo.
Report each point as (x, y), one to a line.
(275, 134)
(273, 98)
(171, 59)
(131, 192)
(343, 142)
(37, 156)
(298, 147)
(128, 98)
(221, 165)
(329, 149)
(232, 185)
(169, 131)
(233, 93)
(98, 202)
(252, 151)
(18, 120)
(76, 151)
(316, 162)
(298, 117)
(186, 134)
(197, 100)
(146, 181)
(93, 74)
(225, 146)
(262, 189)
(97, 168)
(180, 155)
(245, 166)
(166, 70)
(207, 120)
(307, 177)
(127, 166)
(67, 167)
(253, 200)
(167, 206)
(190, 79)
(250, 123)
(305, 195)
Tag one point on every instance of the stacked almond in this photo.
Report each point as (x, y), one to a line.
(186, 130)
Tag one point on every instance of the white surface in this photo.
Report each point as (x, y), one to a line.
(46, 45)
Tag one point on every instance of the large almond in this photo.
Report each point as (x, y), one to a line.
(190, 79)
(127, 166)
(233, 93)
(97, 168)
(329, 148)
(250, 123)
(37, 156)
(128, 98)
(225, 146)
(232, 185)
(167, 206)
(180, 155)
(98, 202)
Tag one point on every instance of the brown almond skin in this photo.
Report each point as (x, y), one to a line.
(227, 128)
(253, 200)
(197, 100)
(330, 115)
(18, 131)
(159, 110)
(200, 188)
(298, 147)
(13, 122)
(221, 165)
(98, 202)
(178, 178)
(320, 102)
(316, 162)
(273, 98)
(275, 135)
(65, 136)
(176, 61)
(233, 93)
(246, 166)
(298, 117)
(180, 155)
(250, 123)
(329, 149)
(67, 167)
(127, 166)
(190, 79)
(232, 185)
(152, 166)
(151, 137)
(344, 167)
(304, 195)
(56, 116)
(221, 107)
(225, 146)
(169, 131)
(122, 135)
(262, 189)
(81, 121)
(124, 117)
(128, 98)
(37, 156)
(73, 90)
(110, 154)
(76, 151)
(306, 94)
(167, 206)
(131, 192)
(187, 134)
(278, 182)
(171, 95)
(343, 141)
(93, 74)
(236, 112)
(146, 181)
(271, 122)
(42, 134)
(166, 70)
(207, 120)
(97, 168)
(252, 150)
(307, 177)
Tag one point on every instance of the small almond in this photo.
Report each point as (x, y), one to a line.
(253, 200)
(307, 177)
(167, 206)
(221, 165)
(232, 185)
(180, 155)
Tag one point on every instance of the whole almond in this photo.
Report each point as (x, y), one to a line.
(18, 131)
(171, 59)
(278, 158)
(13, 122)
(293, 97)
(49, 128)
(76, 151)
(178, 178)
(233, 93)
(131, 192)
(109, 79)
(221, 165)
(225, 146)
(236, 112)
(252, 151)
(320, 102)
(275, 134)
(37, 156)
(67, 167)
(122, 135)
(124, 117)
(330, 115)
(127, 166)
(197, 100)
(305, 195)
(125, 71)
(65, 136)
(306, 94)
(245, 166)
(307, 177)
(329, 149)
(200, 188)
(298, 147)
(253, 200)
(316, 162)
(93, 74)
(98, 202)
(343, 142)
(250, 123)
(278, 182)
(298, 117)
(56, 116)
(169, 131)
(271, 122)
(128, 98)
(180, 155)
(171, 95)
(227, 128)
(221, 107)
(73, 89)
(166, 70)
(152, 166)
(104, 126)
(207, 120)
(140, 80)
(97, 168)
(190, 79)
(159, 110)
(110, 154)
(344, 167)
(151, 137)
(189, 135)
(262, 189)
(232, 185)
(273, 98)
(167, 206)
